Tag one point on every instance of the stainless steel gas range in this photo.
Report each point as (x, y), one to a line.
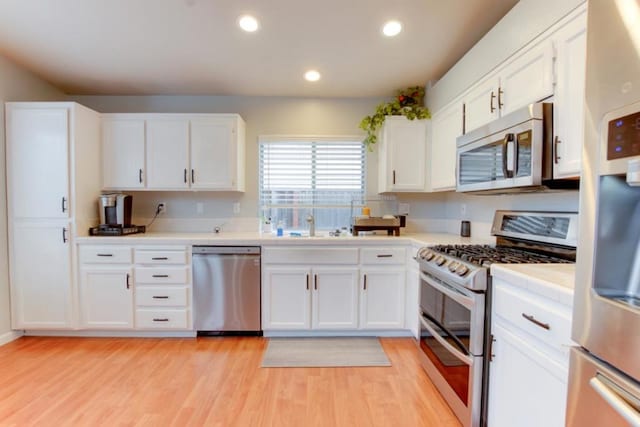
(455, 301)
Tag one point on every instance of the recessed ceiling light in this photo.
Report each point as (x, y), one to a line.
(248, 23)
(392, 28)
(312, 75)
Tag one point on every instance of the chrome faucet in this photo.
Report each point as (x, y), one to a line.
(312, 225)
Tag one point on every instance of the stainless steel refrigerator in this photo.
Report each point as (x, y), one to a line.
(604, 379)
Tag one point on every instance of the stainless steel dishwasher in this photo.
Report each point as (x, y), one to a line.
(226, 290)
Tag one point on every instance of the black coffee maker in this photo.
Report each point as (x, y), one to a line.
(115, 216)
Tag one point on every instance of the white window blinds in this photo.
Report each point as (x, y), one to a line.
(312, 175)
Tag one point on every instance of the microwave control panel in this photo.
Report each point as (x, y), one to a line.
(624, 137)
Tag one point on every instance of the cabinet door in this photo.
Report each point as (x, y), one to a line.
(335, 298)
(286, 298)
(213, 153)
(167, 153)
(382, 299)
(406, 153)
(524, 383)
(123, 153)
(571, 48)
(40, 257)
(38, 162)
(481, 103)
(527, 79)
(446, 126)
(106, 298)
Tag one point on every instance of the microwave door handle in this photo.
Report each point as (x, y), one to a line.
(508, 173)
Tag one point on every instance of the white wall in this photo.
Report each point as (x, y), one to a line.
(526, 20)
(16, 84)
(263, 116)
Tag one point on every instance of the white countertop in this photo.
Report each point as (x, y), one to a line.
(554, 281)
(254, 238)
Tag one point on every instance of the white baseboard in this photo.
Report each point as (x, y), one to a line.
(114, 334)
(347, 333)
(10, 336)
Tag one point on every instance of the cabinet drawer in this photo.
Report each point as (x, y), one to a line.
(162, 319)
(383, 255)
(544, 319)
(161, 274)
(105, 254)
(160, 257)
(162, 296)
(302, 255)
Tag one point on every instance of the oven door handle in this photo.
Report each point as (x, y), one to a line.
(461, 299)
(468, 360)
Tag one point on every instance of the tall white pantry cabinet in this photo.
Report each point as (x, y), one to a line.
(53, 180)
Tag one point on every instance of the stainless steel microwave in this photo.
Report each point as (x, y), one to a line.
(511, 154)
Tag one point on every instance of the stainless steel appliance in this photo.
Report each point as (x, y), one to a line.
(115, 209)
(455, 296)
(604, 374)
(226, 289)
(511, 154)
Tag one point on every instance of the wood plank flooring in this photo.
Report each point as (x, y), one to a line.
(205, 382)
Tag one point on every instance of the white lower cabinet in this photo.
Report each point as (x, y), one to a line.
(382, 298)
(106, 298)
(530, 358)
(310, 298)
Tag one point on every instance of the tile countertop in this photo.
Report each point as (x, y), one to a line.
(254, 238)
(554, 281)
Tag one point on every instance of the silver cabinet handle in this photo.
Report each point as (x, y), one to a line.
(161, 320)
(385, 256)
(160, 297)
(64, 235)
(140, 175)
(307, 282)
(394, 177)
(64, 204)
(493, 96)
(365, 283)
(556, 157)
(193, 176)
(185, 176)
(535, 321)
(159, 258)
(127, 281)
(500, 92)
(160, 275)
(315, 282)
(104, 254)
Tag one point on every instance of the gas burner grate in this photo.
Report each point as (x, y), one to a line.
(485, 255)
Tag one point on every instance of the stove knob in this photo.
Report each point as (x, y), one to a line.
(440, 260)
(462, 270)
(428, 255)
(453, 265)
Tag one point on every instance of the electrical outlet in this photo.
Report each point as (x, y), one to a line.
(463, 210)
(162, 208)
(236, 208)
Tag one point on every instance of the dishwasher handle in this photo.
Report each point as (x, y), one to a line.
(226, 250)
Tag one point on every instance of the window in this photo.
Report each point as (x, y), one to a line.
(302, 176)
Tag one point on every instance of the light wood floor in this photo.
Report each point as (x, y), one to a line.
(205, 382)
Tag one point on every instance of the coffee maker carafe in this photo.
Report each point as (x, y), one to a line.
(115, 210)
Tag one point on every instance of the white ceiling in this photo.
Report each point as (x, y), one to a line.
(133, 47)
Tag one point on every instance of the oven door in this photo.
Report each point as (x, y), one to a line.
(451, 341)
(507, 159)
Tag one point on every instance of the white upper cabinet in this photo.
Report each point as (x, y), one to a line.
(571, 47)
(167, 153)
(524, 79)
(173, 152)
(38, 162)
(213, 153)
(402, 155)
(446, 126)
(123, 153)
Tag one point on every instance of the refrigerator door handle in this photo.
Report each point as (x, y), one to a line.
(622, 402)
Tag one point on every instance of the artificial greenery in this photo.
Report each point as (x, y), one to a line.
(408, 102)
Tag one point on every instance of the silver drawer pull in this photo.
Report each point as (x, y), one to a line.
(105, 254)
(161, 320)
(159, 258)
(160, 297)
(385, 256)
(535, 321)
(160, 275)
